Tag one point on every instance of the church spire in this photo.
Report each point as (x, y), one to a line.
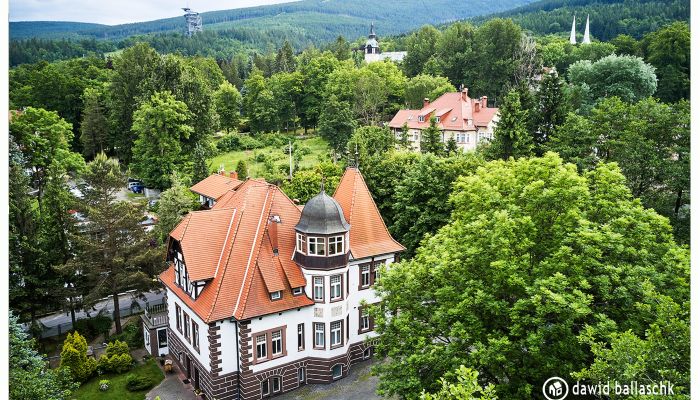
(587, 32)
(372, 35)
(572, 38)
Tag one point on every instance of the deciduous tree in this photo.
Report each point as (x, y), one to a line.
(532, 255)
(161, 126)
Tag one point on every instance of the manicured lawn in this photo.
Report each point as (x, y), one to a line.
(117, 389)
(318, 151)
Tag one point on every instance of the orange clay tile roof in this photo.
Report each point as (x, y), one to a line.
(368, 234)
(454, 110)
(215, 186)
(240, 286)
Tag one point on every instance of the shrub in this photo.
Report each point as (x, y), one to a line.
(135, 383)
(74, 357)
(116, 363)
(117, 347)
(104, 385)
(229, 142)
(132, 335)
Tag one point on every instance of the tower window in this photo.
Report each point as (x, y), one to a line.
(335, 245)
(317, 246)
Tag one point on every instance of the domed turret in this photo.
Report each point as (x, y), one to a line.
(322, 234)
(322, 215)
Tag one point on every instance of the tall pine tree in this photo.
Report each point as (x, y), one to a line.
(511, 138)
(94, 134)
(430, 139)
(551, 111)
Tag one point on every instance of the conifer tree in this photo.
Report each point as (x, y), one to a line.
(511, 138)
(242, 169)
(403, 139)
(94, 134)
(551, 111)
(430, 142)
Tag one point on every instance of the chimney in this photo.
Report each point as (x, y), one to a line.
(464, 94)
(222, 173)
(484, 101)
(476, 106)
(272, 232)
(426, 101)
(233, 175)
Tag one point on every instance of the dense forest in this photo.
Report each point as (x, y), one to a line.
(571, 226)
(608, 18)
(301, 23)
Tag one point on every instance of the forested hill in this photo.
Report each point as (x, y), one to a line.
(609, 18)
(317, 20)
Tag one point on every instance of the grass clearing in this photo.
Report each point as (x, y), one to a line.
(317, 150)
(90, 390)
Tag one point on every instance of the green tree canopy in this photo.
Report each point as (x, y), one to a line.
(627, 77)
(228, 102)
(161, 126)
(510, 137)
(113, 253)
(94, 129)
(533, 255)
(336, 123)
(426, 86)
(29, 375)
(649, 140)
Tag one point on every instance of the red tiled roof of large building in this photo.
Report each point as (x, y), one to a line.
(368, 234)
(456, 111)
(216, 185)
(234, 239)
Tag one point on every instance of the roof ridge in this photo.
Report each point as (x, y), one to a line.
(223, 247)
(221, 281)
(250, 257)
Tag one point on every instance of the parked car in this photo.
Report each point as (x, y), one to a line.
(137, 188)
(133, 182)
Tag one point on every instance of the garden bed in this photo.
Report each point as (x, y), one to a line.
(117, 391)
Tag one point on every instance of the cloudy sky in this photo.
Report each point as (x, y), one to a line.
(113, 12)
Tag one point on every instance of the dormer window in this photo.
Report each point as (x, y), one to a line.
(276, 295)
(317, 246)
(421, 118)
(297, 291)
(335, 245)
(301, 243)
(437, 119)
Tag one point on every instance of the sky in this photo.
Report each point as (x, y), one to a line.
(113, 12)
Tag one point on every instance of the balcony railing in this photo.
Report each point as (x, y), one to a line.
(157, 315)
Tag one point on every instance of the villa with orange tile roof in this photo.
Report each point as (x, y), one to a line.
(468, 121)
(264, 297)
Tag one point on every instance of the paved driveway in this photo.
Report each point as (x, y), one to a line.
(358, 385)
(172, 388)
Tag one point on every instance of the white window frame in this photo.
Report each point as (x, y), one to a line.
(301, 375)
(364, 320)
(276, 380)
(336, 333)
(261, 347)
(300, 337)
(297, 291)
(365, 272)
(337, 243)
(341, 371)
(319, 245)
(319, 288)
(336, 287)
(319, 335)
(276, 295)
(437, 119)
(277, 340)
(301, 242)
(265, 387)
(421, 118)
(461, 138)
